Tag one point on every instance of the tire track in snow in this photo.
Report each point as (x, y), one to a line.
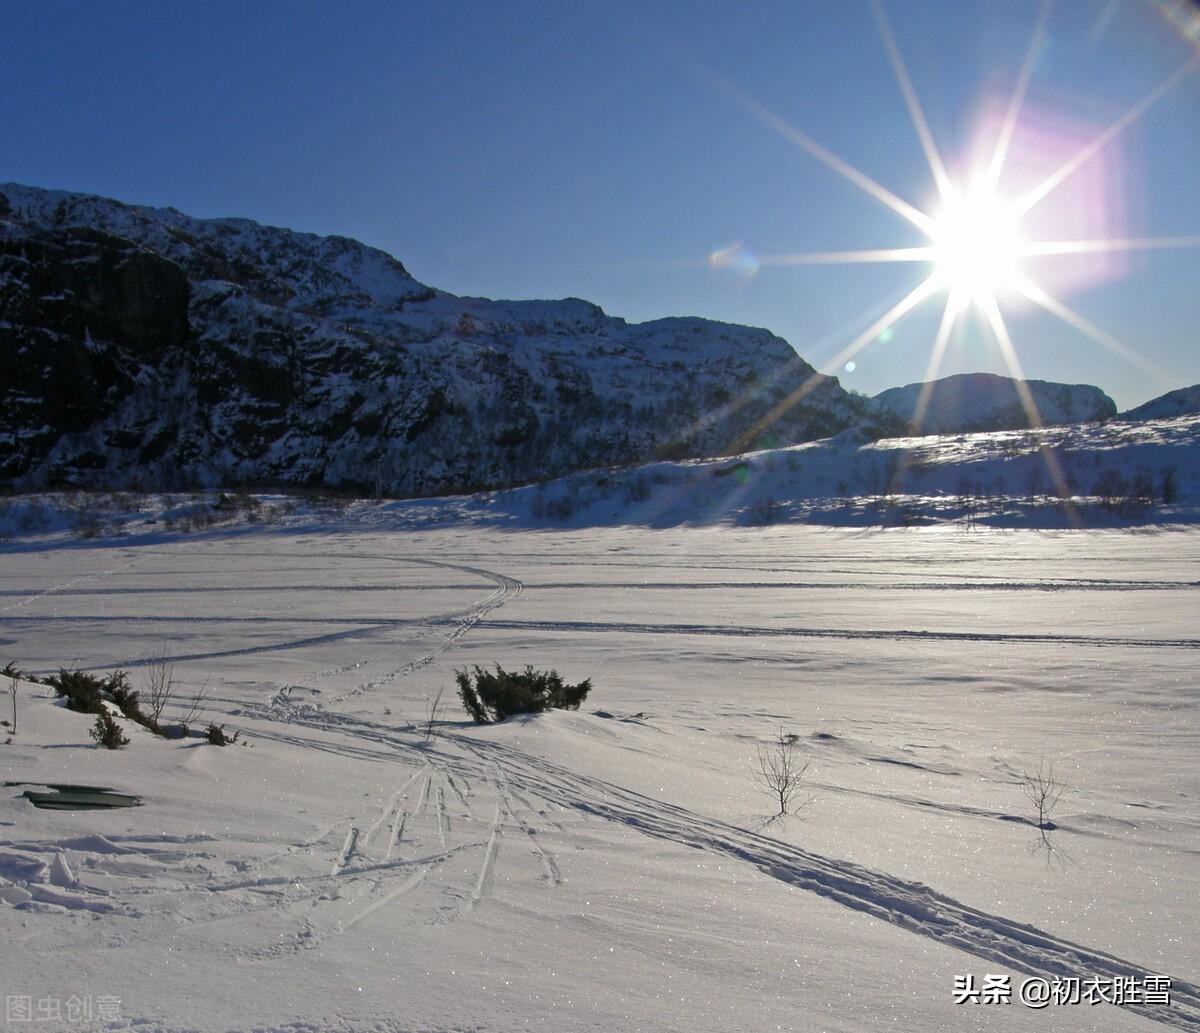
(908, 905)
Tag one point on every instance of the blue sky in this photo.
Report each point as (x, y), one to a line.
(605, 150)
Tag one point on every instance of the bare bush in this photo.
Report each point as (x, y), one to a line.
(191, 707)
(12, 692)
(158, 683)
(1168, 484)
(432, 713)
(1043, 789)
(780, 774)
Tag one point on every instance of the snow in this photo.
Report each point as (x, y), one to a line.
(613, 868)
(985, 401)
(1179, 402)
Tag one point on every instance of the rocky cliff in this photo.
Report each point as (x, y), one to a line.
(141, 346)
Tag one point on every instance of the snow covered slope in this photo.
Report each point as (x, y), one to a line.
(985, 401)
(142, 346)
(617, 868)
(1180, 402)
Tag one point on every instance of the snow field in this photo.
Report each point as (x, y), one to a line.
(612, 868)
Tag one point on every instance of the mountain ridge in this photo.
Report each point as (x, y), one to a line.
(969, 402)
(152, 348)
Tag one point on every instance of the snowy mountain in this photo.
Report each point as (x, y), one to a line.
(142, 346)
(983, 401)
(1181, 402)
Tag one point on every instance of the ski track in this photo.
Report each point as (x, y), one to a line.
(909, 905)
(553, 875)
(397, 833)
(485, 869)
(617, 627)
(65, 586)
(442, 822)
(348, 851)
(391, 807)
(461, 621)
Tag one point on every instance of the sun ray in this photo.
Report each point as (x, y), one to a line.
(1009, 126)
(1009, 352)
(940, 177)
(826, 157)
(895, 254)
(1086, 247)
(892, 316)
(897, 312)
(991, 310)
(1089, 150)
(949, 315)
(1028, 289)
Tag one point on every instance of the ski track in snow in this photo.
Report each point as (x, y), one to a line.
(460, 621)
(742, 631)
(372, 883)
(908, 905)
(32, 595)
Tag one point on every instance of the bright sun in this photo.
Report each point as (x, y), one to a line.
(977, 245)
(977, 251)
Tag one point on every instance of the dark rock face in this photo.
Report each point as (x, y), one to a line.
(81, 313)
(142, 346)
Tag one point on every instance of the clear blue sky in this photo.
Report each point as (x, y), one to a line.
(599, 150)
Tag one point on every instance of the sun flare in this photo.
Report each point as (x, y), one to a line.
(976, 248)
(977, 245)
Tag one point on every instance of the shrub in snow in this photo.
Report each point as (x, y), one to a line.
(780, 774)
(217, 735)
(107, 732)
(82, 691)
(489, 696)
(86, 693)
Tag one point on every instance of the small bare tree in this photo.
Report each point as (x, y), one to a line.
(1043, 789)
(158, 683)
(432, 713)
(780, 774)
(191, 707)
(12, 692)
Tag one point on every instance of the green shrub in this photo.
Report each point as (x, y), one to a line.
(82, 691)
(107, 732)
(86, 694)
(489, 697)
(217, 735)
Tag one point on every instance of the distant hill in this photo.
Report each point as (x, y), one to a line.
(970, 402)
(144, 347)
(1182, 401)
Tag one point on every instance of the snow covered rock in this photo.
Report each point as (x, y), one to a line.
(1181, 402)
(971, 402)
(143, 346)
